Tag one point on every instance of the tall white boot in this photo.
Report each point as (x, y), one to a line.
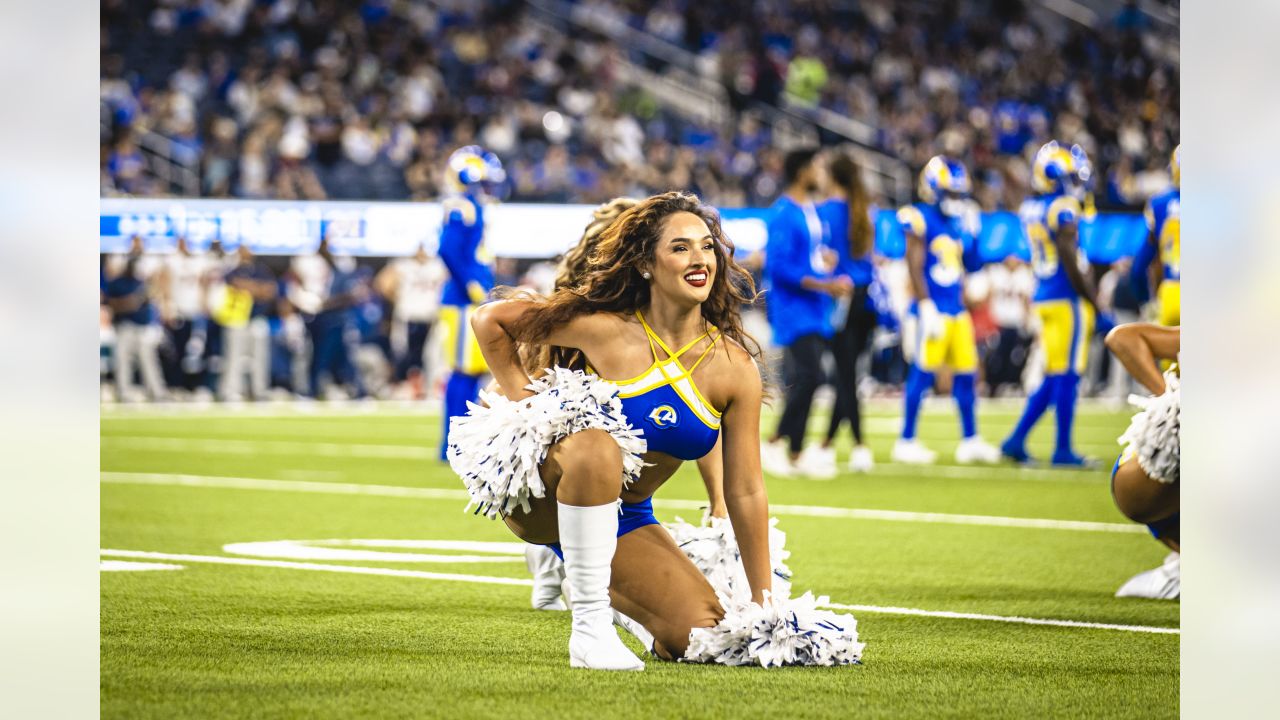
(548, 574)
(636, 629)
(588, 538)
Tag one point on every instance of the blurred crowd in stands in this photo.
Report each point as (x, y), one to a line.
(311, 99)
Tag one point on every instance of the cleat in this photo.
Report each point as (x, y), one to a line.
(776, 460)
(861, 460)
(912, 452)
(1016, 454)
(817, 463)
(975, 449)
(1075, 461)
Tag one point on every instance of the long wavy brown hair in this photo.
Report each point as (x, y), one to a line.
(573, 266)
(610, 280)
(576, 261)
(845, 173)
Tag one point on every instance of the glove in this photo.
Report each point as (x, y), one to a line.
(930, 320)
(476, 293)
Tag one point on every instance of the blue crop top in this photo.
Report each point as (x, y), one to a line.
(666, 405)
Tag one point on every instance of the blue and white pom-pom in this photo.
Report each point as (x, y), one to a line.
(713, 549)
(497, 449)
(1153, 434)
(780, 632)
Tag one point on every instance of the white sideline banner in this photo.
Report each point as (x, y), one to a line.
(374, 229)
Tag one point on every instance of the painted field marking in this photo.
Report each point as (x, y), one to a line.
(231, 446)
(243, 483)
(292, 408)
(990, 472)
(1004, 618)
(289, 565)
(393, 572)
(269, 447)
(341, 550)
(130, 566)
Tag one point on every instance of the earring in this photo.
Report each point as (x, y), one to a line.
(646, 275)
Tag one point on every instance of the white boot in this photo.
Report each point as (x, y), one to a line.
(548, 574)
(1162, 583)
(636, 629)
(588, 538)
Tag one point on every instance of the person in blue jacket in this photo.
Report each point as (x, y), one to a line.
(802, 286)
(470, 275)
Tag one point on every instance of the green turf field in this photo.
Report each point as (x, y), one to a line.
(301, 629)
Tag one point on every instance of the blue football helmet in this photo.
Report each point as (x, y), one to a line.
(944, 182)
(1057, 169)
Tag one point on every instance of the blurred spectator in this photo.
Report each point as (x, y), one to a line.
(249, 298)
(184, 312)
(413, 286)
(332, 289)
(1009, 287)
(137, 333)
(1115, 294)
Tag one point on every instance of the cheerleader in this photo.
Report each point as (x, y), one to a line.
(1145, 478)
(572, 460)
(545, 566)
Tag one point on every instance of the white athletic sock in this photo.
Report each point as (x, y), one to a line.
(588, 538)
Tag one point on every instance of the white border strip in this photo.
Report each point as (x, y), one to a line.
(393, 572)
(243, 483)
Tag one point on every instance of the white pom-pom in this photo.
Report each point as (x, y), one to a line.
(713, 549)
(779, 632)
(1153, 434)
(497, 449)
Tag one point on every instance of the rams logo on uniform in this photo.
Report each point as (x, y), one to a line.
(664, 416)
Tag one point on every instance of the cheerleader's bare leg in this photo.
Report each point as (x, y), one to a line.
(655, 584)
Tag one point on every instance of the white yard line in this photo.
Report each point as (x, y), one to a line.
(290, 409)
(320, 567)
(392, 572)
(419, 451)
(130, 566)
(243, 483)
(270, 447)
(1004, 618)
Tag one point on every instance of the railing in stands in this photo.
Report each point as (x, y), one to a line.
(164, 159)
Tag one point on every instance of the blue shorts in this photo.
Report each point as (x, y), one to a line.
(634, 516)
(1160, 528)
